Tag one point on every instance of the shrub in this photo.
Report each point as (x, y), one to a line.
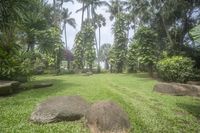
(175, 69)
(39, 67)
(15, 66)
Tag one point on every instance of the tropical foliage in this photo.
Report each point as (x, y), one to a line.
(120, 43)
(175, 69)
(170, 27)
(104, 54)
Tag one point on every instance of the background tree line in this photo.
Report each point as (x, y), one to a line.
(166, 33)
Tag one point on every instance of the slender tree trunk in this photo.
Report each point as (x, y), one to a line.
(68, 64)
(68, 60)
(93, 21)
(88, 12)
(54, 4)
(97, 48)
(82, 19)
(65, 36)
(166, 31)
(58, 61)
(150, 69)
(61, 4)
(127, 35)
(99, 37)
(83, 10)
(106, 64)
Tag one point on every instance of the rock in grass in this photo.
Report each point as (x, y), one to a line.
(177, 89)
(87, 74)
(42, 85)
(61, 108)
(107, 117)
(193, 82)
(8, 87)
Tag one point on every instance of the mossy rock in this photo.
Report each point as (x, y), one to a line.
(42, 85)
(8, 87)
(60, 108)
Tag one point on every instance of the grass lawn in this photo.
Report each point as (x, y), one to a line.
(149, 112)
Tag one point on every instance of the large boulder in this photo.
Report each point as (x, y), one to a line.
(177, 89)
(61, 108)
(107, 117)
(8, 87)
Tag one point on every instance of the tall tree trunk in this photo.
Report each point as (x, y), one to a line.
(165, 28)
(93, 21)
(150, 69)
(54, 4)
(68, 64)
(106, 64)
(65, 36)
(68, 60)
(83, 10)
(97, 48)
(127, 35)
(166, 31)
(99, 37)
(58, 61)
(88, 12)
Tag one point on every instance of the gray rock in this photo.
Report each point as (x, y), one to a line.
(177, 89)
(193, 82)
(8, 87)
(42, 85)
(61, 108)
(88, 74)
(107, 117)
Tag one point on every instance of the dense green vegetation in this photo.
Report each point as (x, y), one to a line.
(162, 29)
(176, 68)
(148, 111)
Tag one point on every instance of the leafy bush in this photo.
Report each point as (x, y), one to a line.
(15, 66)
(39, 67)
(175, 69)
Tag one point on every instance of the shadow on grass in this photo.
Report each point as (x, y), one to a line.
(141, 75)
(59, 85)
(192, 109)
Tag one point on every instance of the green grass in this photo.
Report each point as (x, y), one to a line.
(149, 112)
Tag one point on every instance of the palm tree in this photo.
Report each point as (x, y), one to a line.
(67, 20)
(91, 6)
(11, 14)
(63, 1)
(115, 7)
(83, 10)
(104, 54)
(99, 22)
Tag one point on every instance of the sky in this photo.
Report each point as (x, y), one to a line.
(106, 33)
